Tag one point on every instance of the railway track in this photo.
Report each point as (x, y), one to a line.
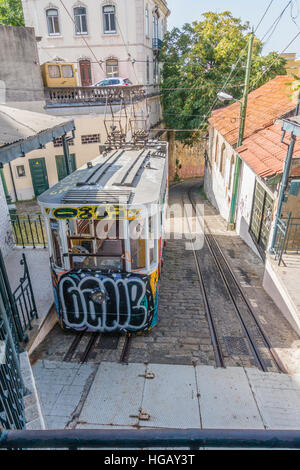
(250, 325)
(85, 344)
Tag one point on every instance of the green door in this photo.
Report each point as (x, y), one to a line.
(61, 165)
(38, 175)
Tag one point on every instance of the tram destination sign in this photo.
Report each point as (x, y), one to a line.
(107, 211)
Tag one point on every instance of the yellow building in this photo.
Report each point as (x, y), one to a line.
(292, 63)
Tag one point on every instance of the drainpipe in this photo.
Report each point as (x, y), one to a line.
(13, 181)
(285, 179)
(231, 225)
(8, 198)
(66, 153)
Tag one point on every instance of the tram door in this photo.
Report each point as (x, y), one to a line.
(39, 175)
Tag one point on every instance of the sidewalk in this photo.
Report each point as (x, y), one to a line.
(174, 396)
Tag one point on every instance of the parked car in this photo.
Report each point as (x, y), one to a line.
(116, 81)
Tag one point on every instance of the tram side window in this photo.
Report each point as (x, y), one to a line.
(137, 246)
(56, 243)
(153, 242)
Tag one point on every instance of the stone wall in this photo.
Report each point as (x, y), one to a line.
(20, 75)
(185, 160)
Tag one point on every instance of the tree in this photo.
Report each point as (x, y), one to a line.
(11, 13)
(198, 59)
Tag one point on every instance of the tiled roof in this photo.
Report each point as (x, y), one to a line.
(265, 104)
(264, 152)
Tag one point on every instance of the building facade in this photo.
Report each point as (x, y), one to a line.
(262, 154)
(106, 38)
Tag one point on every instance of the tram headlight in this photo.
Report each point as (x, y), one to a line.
(99, 296)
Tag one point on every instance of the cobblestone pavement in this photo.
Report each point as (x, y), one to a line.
(182, 335)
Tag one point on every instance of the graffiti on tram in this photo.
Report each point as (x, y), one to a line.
(114, 301)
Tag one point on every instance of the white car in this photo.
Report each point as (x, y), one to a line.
(115, 81)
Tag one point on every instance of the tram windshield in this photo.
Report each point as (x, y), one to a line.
(104, 244)
(95, 244)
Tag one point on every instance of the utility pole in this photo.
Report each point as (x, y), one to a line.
(243, 112)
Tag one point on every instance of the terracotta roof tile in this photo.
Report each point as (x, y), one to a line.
(264, 152)
(265, 105)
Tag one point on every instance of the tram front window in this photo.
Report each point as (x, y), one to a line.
(88, 251)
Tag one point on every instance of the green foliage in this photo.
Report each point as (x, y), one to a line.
(11, 13)
(197, 61)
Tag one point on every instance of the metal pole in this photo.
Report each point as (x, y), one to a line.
(66, 154)
(283, 186)
(13, 181)
(8, 198)
(241, 133)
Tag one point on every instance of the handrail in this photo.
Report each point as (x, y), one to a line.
(150, 438)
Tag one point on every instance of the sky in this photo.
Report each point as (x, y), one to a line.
(187, 11)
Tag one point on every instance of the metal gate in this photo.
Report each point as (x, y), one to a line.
(24, 299)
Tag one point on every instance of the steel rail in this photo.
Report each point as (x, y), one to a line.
(266, 341)
(126, 349)
(69, 354)
(210, 320)
(86, 353)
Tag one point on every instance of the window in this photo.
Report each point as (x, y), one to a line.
(155, 27)
(222, 160)
(54, 71)
(148, 71)
(67, 71)
(20, 170)
(230, 172)
(147, 22)
(56, 243)
(96, 244)
(216, 149)
(109, 19)
(80, 20)
(155, 71)
(112, 68)
(52, 22)
(137, 244)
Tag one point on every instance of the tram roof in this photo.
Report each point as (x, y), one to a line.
(126, 176)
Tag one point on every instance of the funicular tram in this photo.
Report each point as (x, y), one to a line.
(104, 224)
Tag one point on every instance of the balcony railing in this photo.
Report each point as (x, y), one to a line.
(93, 95)
(157, 44)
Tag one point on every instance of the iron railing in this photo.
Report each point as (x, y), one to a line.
(24, 299)
(157, 44)
(193, 439)
(29, 230)
(12, 414)
(287, 237)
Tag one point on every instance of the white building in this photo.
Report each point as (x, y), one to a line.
(104, 38)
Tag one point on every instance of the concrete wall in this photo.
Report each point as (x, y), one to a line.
(20, 75)
(218, 185)
(130, 37)
(4, 222)
(191, 158)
